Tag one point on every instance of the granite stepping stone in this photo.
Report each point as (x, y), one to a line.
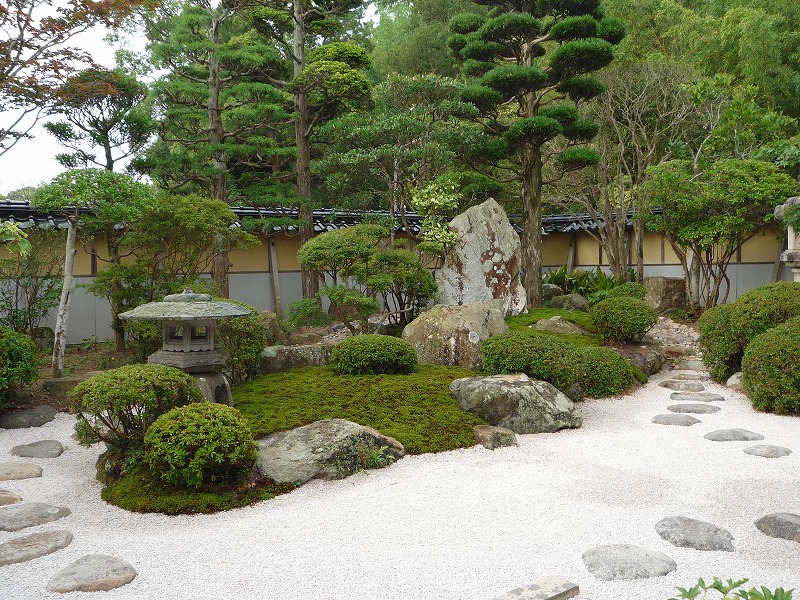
(673, 419)
(733, 435)
(92, 573)
(7, 497)
(689, 376)
(691, 533)
(785, 526)
(696, 397)
(41, 449)
(32, 417)
(548, 588)
(13, 471)
(768, 451)
(32, 546)
(28, 514)
(626, 561)
(682, 386)
(697, 409)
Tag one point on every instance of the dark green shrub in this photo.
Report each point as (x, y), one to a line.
(606, 373)
(763, 308)
(244, 338)
(372, 353)
(118, 406)
(308, 312)
(199, 444)
(722, 354)
(19, 363)
(623, 319)
(769, 369)
(629, 289)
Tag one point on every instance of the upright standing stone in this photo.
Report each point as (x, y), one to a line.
(485, 264)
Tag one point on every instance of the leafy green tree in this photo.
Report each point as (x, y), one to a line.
(13, 238)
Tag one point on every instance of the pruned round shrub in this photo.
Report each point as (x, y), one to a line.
(623, 319)
(19, 363)
(244, 338)
(118, 406)
(629, 289)
(769, 369)
(722, 354)
(373, 353)
(199, 444)
(606, 373)
(763, 308)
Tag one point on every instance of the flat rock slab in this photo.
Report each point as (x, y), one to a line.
(689, 376)
(696, 397)
(733, 435)
(7, 498)
(673, 419)
(768, 451)
(785, 526)
(12, 471)
(691, 533)
(626, 561)
(32, 546)
(696, 409)
(41, 449)
(33, 417)
(491, 437)
(28, 514)
(549, 588)
(92, 573)
(682, 386)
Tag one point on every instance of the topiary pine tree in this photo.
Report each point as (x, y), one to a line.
(530, 59)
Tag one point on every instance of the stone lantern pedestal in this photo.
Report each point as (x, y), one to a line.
(792, 255)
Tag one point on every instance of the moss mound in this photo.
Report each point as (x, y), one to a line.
(372, 354)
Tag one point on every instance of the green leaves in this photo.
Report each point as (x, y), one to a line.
(580, 56)
(574, 28)
(577, 158)
(514, 80)
(532, 132)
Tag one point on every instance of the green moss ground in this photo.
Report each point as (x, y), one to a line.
(416, 409)
(523, 322)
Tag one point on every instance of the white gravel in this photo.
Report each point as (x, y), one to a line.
(464, 525)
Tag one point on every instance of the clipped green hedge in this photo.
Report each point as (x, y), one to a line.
(606, 373)
(373, 353)
(623, 319)
(629, 289)
(19, 363)
(722, 354)
(770, 374)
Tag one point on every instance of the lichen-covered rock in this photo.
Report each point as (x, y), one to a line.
(275, 335)
(648, 358)
(516, 402)
(452, 335)
(558, 324)
(492, 437)
(571, 302)
(276, 359)
(664, 294)
(485, 263)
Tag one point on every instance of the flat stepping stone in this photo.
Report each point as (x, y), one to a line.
(28, 514)
(626, 561)
(696, 397)
(673, 419)
(32, 417)
(92, 573)
(768, 451)
(784, 526)
(7, 498)
(733, 435)
(32, 546)
(689, 376)
(548, 588)
(696, 409)
(691, 533)
(13, 471)
(42, 449)
(690, 365)
(682, 386)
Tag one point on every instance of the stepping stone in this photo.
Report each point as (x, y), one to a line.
(549, 588)
(28, 514)
(768, 451)
(33, 417)
(12, 471)
(42, 449)
(696, 397)
(672, 419)
(491, 437)
(92, 573)
(32, 546)
(697, 409)
(7, 497)
(682, 386)
(689, 376)
(625, 561)
(691, 533)
(733, 435)
(785, 526)
(690, 365)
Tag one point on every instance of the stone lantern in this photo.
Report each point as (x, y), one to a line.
(188, 323)
(791, 256)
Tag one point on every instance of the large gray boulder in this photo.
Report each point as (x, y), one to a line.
(276, 359)
(664, 294)
(485, 263)
(328, 449)
(516, 402)
(452, 335)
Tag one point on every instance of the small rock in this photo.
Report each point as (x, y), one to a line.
(682, 386)
(33, 417)
(625, 561)
(735, 381)
(557, 324)
(785, 526)
(571, 301)
(28, 514)
(549, 588)
(32, 546)
(696, 397)
(41, 449)
(673, 419)
(92, 573)
(733, 435)
(768, 451)
(491, 437)
(691, 533)
(698, 409)
(7, 497)
(11, 471)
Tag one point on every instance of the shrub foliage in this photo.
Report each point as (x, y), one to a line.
(769, 369)
(244, 338)
(722, 354)
(623, 319)
(606, 373)
(372, 354)
(19, 363)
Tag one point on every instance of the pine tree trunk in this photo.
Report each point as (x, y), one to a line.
(532, 229)
(62, 316)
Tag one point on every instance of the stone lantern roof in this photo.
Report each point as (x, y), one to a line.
(186, 306)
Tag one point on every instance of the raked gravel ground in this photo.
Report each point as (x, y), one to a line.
(464, 525)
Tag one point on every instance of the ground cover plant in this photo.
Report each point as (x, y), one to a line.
(525, 321)
(372, 354)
